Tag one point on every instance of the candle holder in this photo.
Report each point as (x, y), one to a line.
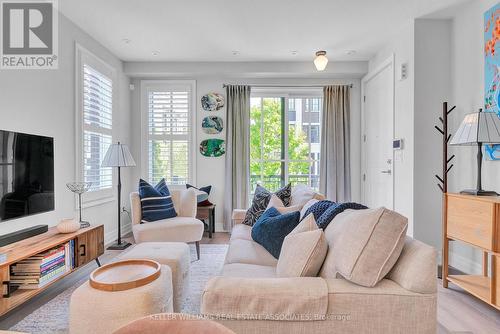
(80, 188)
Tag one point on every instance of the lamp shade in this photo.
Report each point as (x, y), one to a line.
(118, 155)
(479, 127)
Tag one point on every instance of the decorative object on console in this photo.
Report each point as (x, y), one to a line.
(212, 147)
(202, 194)
(68, 225)
(478, 129)
(272, 227)
(212, 125)
(118, 155)
(261, 199)
(212, 102)
(80, 188)
(156, 202)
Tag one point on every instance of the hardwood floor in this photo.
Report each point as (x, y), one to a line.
(458, 312)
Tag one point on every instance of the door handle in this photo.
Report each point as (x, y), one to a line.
(387, 171)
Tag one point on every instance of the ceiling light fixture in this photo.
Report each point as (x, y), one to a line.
(155, 53)
(126, 41)
(235, 52)
(350, 52)
(294, 52)
(320, 61)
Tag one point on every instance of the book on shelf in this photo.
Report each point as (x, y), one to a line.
(41, 269)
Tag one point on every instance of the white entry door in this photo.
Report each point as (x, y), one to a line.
(378, 119)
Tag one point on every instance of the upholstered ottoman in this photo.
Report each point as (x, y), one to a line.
(98, 311)
(176, 255)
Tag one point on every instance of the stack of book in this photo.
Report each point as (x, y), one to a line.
(41, 269)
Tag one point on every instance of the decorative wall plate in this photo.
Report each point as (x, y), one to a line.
(212, 147)
(212, 125)
(212, 101)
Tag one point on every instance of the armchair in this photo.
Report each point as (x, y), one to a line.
(183, 228)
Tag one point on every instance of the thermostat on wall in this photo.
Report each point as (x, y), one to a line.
(397, 144)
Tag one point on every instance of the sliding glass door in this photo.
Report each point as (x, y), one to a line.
(285, 140)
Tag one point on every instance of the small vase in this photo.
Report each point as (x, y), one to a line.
(68, 225)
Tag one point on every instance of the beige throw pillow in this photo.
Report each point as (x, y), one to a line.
(303, 251)
(364, 245)
(307, 206)
(276, 202)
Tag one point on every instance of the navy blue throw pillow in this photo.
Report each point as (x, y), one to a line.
(156, 202)
(272, 227)
(334, 210)
(318, 208)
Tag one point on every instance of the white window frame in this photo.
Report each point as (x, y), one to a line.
(146, 86)
(289, 93)
(84, 56)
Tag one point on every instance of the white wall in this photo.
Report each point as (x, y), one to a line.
(43, 102)
(446, 62)
(401, 45)
(209, 78)
(468, 94)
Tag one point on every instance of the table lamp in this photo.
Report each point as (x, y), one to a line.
(478, 129)
(118, 155)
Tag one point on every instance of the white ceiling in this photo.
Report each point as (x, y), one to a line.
(260, 30)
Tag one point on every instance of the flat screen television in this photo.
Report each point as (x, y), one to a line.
(26, 174)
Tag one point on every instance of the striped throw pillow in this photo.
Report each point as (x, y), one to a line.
(156, 202)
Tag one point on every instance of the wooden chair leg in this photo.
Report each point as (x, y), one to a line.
(198, 249)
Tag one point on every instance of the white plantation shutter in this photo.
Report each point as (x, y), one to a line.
(169, 113)
(97, 127)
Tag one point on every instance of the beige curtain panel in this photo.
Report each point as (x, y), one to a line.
(237, 151)
(335, 176)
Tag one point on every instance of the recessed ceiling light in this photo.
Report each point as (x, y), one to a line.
(235, 52)
(350, 52)
(294, 52)
(126, 41)
(155, 53)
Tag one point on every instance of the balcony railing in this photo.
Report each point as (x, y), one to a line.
(275, 182)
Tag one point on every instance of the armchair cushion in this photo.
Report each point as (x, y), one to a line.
(156, 202)
(178, 229)
(285, 298)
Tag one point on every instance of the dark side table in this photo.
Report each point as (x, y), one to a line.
(207, 213)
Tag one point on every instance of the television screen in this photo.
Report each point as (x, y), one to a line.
(26, 174)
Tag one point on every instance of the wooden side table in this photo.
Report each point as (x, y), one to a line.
(205, 213)
(474, 221)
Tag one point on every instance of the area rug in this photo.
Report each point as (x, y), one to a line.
(53, 316)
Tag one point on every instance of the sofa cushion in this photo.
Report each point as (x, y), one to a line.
(241, 231)
(156, 202)
(275, 202)
(301, 194)
(318, 208)
(303, 251)
(180, 229)
(260, 201)
(248, 270)
(364, 245)
(307, 206)
(336, 209)
(272, 227)
(247, 251)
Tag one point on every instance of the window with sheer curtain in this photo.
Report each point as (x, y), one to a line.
(167, 114)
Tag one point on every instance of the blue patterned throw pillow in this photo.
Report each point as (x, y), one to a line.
(272, 227)
(318, 208)
(334, 210)
(261, 199)
(156, 202)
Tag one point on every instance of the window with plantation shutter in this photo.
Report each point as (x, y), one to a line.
(97, 127)
(94, 121)
(168, 115)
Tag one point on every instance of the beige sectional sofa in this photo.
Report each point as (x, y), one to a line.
(248, 297)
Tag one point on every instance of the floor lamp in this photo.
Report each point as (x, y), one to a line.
(118, 155)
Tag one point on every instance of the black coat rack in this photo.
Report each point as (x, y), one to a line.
(443, 179)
